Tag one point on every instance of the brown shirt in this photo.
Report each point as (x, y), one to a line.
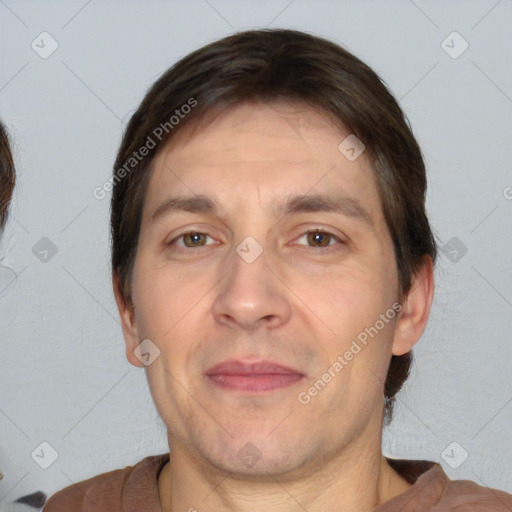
(135, 489)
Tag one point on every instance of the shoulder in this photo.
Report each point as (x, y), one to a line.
(84, 496)
(105, 491)
(467, 495)
(432, 489)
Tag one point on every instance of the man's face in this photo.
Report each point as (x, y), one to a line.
(205, 299)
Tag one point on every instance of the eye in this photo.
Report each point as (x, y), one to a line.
(316, 238)
(319, 238)
(191, 240)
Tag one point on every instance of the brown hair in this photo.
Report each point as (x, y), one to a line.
(7, 175)
(272, 65)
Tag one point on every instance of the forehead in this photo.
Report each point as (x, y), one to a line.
(252, 153)
(277, 125)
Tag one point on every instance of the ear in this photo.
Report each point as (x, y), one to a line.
(413, 317)
(127, 315)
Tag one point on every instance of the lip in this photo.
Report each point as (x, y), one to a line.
(252, 376)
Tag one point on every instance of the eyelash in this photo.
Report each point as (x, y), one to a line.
(326, 248)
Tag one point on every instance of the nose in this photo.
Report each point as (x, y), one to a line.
(252, 296)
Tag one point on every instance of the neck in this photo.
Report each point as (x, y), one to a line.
(356, 480)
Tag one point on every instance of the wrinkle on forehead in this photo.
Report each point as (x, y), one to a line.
(298, 115)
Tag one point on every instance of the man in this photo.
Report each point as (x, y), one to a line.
(273, 268)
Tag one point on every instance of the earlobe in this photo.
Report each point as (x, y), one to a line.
(127, 316)
(413, 318)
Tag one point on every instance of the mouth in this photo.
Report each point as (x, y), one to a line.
(252, 377)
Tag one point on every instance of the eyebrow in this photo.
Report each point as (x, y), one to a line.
(307, 203)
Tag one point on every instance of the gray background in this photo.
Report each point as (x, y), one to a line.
(63, 373)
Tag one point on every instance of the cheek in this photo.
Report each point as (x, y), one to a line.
(341, 298)
(168, 307)
(161, 297)
(345, 306)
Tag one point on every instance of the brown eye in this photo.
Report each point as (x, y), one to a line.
(190, 240)
(193, 239)
(319, 239)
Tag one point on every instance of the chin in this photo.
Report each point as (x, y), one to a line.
(252, 455)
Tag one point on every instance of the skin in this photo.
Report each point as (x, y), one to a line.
(298, 304)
